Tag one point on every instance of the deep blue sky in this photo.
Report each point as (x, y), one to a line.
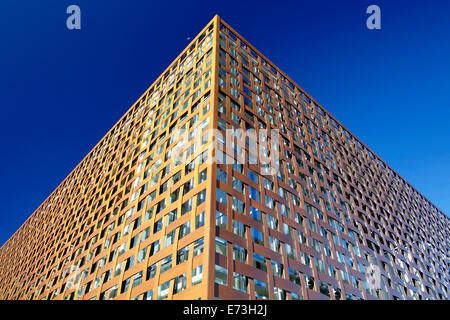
(62, 90)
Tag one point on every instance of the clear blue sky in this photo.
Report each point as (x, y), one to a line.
(62, 90)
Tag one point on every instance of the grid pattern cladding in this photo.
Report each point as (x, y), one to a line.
(146, 215)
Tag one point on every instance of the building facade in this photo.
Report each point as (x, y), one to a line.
(170, 205)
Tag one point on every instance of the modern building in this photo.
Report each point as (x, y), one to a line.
(169, 205)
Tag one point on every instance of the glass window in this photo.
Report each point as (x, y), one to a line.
(239, 228)
(272, 222)
(309, 282)
(166, 264)
(188, 186)
(221, 246)
(186, 207)
(221, 219)
(171, 216)
(176, 177)
(174, 195)
(163, 290)
(277, 269)
(151, 271)
(261, 290)
(199, 220)
(324, 289)
(258, 236)
(180, 283)
(240, 282)
(113, 292)
(137, 279)
(221, 175)
(141, 255)
(239, 253)
(157, 226)
(198, 246)
(254, 194)
(221, 275)
(279, 294)
(182, 255)
(312, 225)
(274, 244)
(294, 276)
(145, 234)
(185, 229)
(238, 205)
(269, 202)
(201, 197)
(119, 268)
(237, 185)
(259, 262)
(197, 275)
(169, 238)
(125, 285)
(295, 296)
(255, 214)
(161, 205)
(221, 196)
(148, 295)
(253, 176)
(285, 211)
(202, 176)
(268, 184)
(154, 247)
(291, 252)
